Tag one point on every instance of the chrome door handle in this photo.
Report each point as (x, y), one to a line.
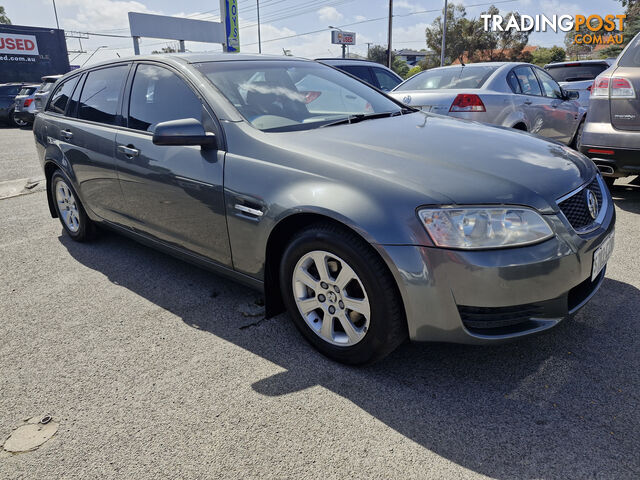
(66, 134)
(130, 152)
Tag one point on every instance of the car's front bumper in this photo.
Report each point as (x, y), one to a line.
(453, 295)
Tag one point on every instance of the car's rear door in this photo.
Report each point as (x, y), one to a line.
(624, 89)
(84, 124)
(172, 193)
(563, 115)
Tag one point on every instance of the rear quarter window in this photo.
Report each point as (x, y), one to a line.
(100, 96)
(631, 57)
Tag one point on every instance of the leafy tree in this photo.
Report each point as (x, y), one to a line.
(631, 28)
(400, 67)
(541, 56)
(3, 17)
(457, 34)
(378, 53)
(413, 71)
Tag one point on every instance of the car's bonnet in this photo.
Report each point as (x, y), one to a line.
(443, 157)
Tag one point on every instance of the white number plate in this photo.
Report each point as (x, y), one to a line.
(601, 256)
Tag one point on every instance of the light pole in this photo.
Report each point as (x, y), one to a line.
(344, 47)
(444, 34)
(259, 41)
(389, 33)
(55, 11)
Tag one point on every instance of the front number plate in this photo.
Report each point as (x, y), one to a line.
(601, 256)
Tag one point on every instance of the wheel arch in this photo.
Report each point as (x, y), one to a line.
(49, 168)
(279, 238)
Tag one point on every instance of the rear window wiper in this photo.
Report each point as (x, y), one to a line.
(359, 117)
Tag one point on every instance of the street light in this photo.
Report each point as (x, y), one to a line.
(344, 47)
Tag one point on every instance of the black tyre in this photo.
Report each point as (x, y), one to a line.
(16, 122)
(609, 181)
(341, 296)
(575, 144)
(70, 211)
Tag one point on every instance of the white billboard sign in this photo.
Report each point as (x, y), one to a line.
(18, 44)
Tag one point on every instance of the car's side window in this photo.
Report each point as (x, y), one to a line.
(550, 87)
(387, 81)
(528, 80)
(512, 80)
(101, 94)
(159, 95)
(60, 97)
(72, 108)
(360, 71)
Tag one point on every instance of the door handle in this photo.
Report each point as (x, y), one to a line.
(528, 102)
(129, 151)
(66, 134)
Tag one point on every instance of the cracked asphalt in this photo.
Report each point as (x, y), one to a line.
(157, 369)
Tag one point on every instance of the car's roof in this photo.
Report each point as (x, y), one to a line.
(347, 61)
(578, 62)
(484, 64)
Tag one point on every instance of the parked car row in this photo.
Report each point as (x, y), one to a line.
(20, 102)
(369, 220)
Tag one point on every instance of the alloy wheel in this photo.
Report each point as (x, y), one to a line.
(67, 206)
(331, 298)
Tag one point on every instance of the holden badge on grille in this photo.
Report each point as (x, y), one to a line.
(592, 203)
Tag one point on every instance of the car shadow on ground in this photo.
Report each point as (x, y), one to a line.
(559, 405)
(627, 196)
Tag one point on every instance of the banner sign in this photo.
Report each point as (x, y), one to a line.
(343, 38)
(231, 22)
(18, 44)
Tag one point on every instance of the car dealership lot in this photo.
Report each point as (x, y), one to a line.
(158, 369)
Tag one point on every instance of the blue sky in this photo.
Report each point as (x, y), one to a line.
(279, 18)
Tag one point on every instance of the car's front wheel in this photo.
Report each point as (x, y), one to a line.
(70, 211)
(341, 295)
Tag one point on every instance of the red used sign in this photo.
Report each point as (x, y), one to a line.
(13, 43)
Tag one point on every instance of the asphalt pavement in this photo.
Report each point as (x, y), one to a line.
(153, 368)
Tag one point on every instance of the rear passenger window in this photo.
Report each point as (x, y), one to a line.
(101, 94)
(528, 81)
(159, 95)
(512, 80)
(360, 71)
(387, 81)
(60, 96)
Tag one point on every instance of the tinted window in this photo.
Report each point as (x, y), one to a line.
(293, 95)
(27, 91)
(449, 77)
(75, 98)
(512, 80)
(577, 72)
(60, 96)
(360, 71)
(528, 81)
(101, 94)
(631, 57)
(387, 81)
(159, 95)
(549, 86)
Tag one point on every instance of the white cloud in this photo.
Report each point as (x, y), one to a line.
(97, 14)
(360, 18)
(329, 14)
(405, 5)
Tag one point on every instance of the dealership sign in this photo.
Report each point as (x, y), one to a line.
(343, 38)
(22, 44)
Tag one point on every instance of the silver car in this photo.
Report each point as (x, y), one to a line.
(24, 109)
(516, 95)
(370, 226)
(578, 76)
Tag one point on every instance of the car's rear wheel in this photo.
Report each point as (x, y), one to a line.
(70, 211)
(341, 295)
(577, 139)
(17, 122)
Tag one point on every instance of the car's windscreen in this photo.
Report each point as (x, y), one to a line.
(293, 95)
(577, 72)
(631, 57)
(27, 90)
(473, 76)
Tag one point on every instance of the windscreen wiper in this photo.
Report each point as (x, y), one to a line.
(359, 117)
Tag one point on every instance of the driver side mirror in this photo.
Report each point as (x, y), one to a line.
(186, 131)
(571, 94)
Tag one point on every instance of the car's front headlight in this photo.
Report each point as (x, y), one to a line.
(484, 227)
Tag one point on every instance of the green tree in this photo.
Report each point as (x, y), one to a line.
(541, 56)
(457, 34)
(631, 28)
(378, 53)
(3, 16)
(413, 71)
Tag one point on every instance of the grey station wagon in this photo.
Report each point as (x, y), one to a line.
(370, 221)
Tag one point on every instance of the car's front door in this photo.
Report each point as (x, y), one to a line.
(173, 193)
(529, 99)
(563, 114)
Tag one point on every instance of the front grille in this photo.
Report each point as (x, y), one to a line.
(489, 319)
(576, 209)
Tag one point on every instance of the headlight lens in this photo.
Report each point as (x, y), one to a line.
(478, 227)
